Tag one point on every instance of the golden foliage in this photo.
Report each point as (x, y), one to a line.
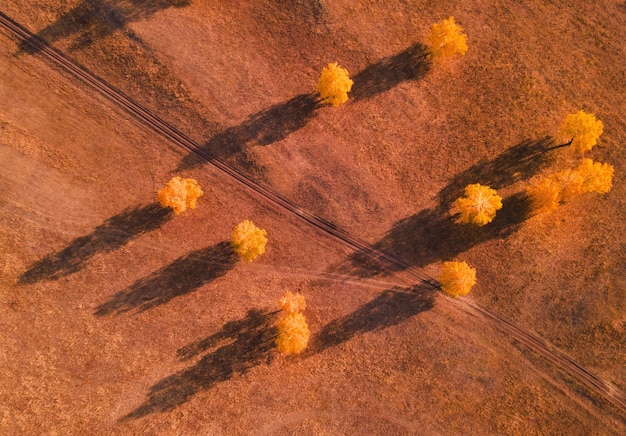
(544, 195)
(596, 176)
(180, 194)
(334, 84)
(447, 39)
(248, 240)
(293, 333)
(457, 278)
(479, 205)
(291, 302)
(569, 182)
(583, 128)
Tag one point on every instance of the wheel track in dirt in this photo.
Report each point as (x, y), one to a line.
(554, 355)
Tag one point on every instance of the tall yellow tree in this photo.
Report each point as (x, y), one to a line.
(293, 330)
(248, 240)
(583, 129)
(334, 84)
(447, 39)
(479, 205)
(180, 194)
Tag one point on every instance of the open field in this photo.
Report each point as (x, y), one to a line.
(117, 317)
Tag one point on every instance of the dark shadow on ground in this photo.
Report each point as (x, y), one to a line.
(249, 342)
(245, 344)
(434, 234)
(114, 233)
(262, 128)
(279, 121)
(518, 163)
(410, 64)
(91, 20)
(184, 275)
(390, 308)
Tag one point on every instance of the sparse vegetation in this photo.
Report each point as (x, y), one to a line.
(334, 84)
(180, 194)
(248, 240)
(447, 39)
(479, 205)
(583, 129)
(293, 330)
(457, 278)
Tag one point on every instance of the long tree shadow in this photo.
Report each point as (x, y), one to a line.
(279, 121)
(184, 275)
(111, 235)
(390, 308)
(249, 342)
(243, 344)
(91, 20)
(262, 128)
(410, 64)
(518, 163)
(434, 234)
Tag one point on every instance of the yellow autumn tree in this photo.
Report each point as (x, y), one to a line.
(479, 205)
(457, 278)
(544, 195)
(293, 330)
(180, 194)
(596, 176)
(583, 129)
(293, 333)
(447, 39)
(248, 240)
(334, 84)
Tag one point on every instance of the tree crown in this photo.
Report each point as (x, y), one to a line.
(447, 39)
(584, 130)
(180, 194)
(457, 278)
(248, 240)
(334, 84)
(479, 205)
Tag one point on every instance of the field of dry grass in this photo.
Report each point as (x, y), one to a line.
(117, 317)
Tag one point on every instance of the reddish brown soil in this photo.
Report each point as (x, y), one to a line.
(116, 318)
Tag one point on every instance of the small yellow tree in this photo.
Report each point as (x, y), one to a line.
(180, 194)
(544, 195)
(447, 39)
(596, 176)
(293, 333)
(334, 84)
(291, 302)
(583, 129)
(479, 205)
(248, 240)
(457, 278)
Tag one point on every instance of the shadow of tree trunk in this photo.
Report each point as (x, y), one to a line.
(434, 234)
(91, 20)
(181, 277)
(111, 235)
(249, 343)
